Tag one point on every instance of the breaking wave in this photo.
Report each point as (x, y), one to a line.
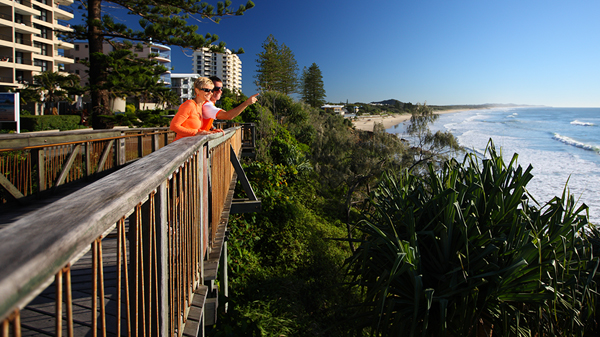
(575, 143)
(576, 122)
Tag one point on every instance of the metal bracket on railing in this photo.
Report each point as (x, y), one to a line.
(246, 205)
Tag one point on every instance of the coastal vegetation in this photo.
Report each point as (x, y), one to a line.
(364, 234)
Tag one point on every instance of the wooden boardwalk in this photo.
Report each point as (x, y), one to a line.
(38, 318)
(137, 253)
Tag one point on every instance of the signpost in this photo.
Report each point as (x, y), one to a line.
(9, 110)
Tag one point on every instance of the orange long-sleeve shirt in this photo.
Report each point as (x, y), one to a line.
(187, 122)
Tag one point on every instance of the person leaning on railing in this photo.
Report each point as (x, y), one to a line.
(188, 120)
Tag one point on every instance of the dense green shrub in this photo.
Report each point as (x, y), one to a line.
(142, 118)
(466, 251)
(51, 122)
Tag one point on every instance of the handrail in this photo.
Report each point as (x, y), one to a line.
(31, 164)
(165, 197)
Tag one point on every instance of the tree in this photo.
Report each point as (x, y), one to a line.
(161, 21)
(313, 92)
(289, 71)
(428, 147)
(52, 87)
(277, 67)
(268, 65)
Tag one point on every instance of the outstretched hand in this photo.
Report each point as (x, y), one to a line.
(252, 99)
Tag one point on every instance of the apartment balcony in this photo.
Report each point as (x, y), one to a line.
(24, 64)
(25, 9)
(63, 13)
(7, 81)
(25, 29)
(25, 45)
(161, 59)
(64, 2)
(62, 25)
(63, 59)
(63, 44)
(6, 20)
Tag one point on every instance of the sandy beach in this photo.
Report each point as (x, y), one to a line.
(366, 123)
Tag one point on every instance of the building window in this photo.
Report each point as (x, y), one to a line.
(86, 46)
(19, 57)
(43, 31)
(43, 48)
(77, 47)
(77, 72)
(77, 59)
(43, 13)
(19, 38)
(18, 18)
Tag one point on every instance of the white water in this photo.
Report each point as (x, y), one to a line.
(562, 144)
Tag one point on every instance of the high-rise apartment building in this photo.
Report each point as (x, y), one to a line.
(183, 85)
(227, 66)
(28, 42)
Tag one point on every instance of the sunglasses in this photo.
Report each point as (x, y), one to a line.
(206, 90)
(217, 89)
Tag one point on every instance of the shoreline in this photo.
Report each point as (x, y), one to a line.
(368, 122)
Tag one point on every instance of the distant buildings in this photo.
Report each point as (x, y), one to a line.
(183, 85)
(82, 52)
(227, 66)
(335, 109)
(28, 42)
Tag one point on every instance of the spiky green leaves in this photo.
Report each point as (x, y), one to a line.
(465, 249)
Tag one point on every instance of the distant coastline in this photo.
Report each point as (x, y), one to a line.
(366, 123)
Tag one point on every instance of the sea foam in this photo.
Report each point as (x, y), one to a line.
(573, 142)
(576, 122)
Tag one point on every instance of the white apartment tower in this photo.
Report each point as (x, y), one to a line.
(28, 44)
(183, 85)
(227, 66)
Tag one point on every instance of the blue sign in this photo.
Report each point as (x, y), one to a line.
(9, 108)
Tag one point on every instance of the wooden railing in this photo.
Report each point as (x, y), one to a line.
(131, 253)
(31, 164)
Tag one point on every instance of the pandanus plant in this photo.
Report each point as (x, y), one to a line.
(466, 251)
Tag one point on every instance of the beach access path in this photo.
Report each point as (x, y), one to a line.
(366, 123)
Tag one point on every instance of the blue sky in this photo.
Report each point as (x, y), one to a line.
(439, 52)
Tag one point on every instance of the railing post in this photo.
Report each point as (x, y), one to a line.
(223, 277)
(155, 145)
(163, 260)
(140, 139)
(40, 157)
(120, 151)
(88, 159)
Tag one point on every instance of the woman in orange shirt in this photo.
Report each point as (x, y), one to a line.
(188, 120)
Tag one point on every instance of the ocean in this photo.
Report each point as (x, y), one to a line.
(560, 143)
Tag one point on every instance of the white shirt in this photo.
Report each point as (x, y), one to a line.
(209, 110)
